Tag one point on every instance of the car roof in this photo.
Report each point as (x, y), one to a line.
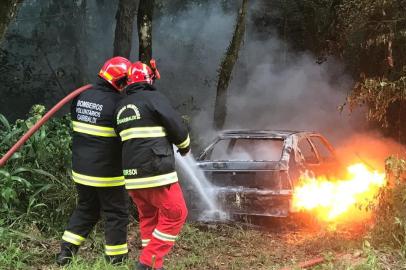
(282, 134)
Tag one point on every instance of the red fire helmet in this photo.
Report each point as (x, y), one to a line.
(140, 72)
(114, 70)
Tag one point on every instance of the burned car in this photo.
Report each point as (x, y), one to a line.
(254, 172)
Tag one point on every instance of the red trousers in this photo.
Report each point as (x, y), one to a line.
(162, 213)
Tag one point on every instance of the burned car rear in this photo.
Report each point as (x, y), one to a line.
(254, 172)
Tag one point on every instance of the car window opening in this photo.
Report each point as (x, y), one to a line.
(245, 149)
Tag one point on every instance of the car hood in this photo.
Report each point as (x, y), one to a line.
(240, 165)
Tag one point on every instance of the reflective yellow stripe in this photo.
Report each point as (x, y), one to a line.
(73, 238)
(88, 125)
(116, 250)
(93, 129)
(142, 132)
(153, 181)
(164, 236)
(185, 143)
(97, 181)
(107, 75)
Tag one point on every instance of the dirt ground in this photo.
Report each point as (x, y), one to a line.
(273, 245)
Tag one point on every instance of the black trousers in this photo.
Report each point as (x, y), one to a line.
(109, 202)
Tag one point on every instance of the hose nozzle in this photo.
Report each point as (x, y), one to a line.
(152, 63)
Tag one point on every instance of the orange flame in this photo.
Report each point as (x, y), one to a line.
(333, 199)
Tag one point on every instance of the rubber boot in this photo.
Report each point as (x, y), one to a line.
(141, 266)
(117, 259)
(68, 250)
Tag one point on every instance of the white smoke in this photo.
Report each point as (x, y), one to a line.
(294, 93)
(272, 87)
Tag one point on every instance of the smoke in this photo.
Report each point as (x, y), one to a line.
(272, 86)
(188, 47)
(369, 148)
(293, 93)
(51, 48)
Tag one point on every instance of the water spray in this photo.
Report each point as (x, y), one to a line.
(204, 188)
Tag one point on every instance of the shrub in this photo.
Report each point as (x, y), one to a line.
(36, 184)
(390, 212)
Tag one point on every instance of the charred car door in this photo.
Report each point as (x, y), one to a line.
(326, 156)
(318, 156)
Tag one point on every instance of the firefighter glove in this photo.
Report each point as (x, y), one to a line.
(184, 151)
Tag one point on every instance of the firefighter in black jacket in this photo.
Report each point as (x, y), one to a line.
(96, 166)
(148, 127)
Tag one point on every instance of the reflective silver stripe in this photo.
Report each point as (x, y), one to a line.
(185, 143)
(73, 238)
(153, 181)
(97, 181)
(142, 132)
(145, 242)
(164, 236)
(93, 129)
(116, 250)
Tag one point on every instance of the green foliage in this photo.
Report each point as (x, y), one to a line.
(13, 257)
(367, 35)
(370, 37)
(396, 166)
(371, 260)
(36, 184)
(390, 213)
(13, 251)
(379, 94)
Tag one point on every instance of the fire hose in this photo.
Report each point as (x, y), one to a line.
(313, 262)
(42, 121)
(307, 264)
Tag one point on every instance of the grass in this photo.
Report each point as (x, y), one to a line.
(281, 244)
(214, 247)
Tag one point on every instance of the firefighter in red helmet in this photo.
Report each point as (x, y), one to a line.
(148, 127)
(96, 166)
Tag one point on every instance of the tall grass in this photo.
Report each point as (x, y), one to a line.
(390, 213)
(36, 184)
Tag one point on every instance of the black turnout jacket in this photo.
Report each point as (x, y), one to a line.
(148, 127)
(96, 148)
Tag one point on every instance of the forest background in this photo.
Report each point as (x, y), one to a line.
(334, 66)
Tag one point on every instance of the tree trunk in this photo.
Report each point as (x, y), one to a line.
(144, 23)
(227, 66)
(124, 27)
(8, 11)
(80, 35)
